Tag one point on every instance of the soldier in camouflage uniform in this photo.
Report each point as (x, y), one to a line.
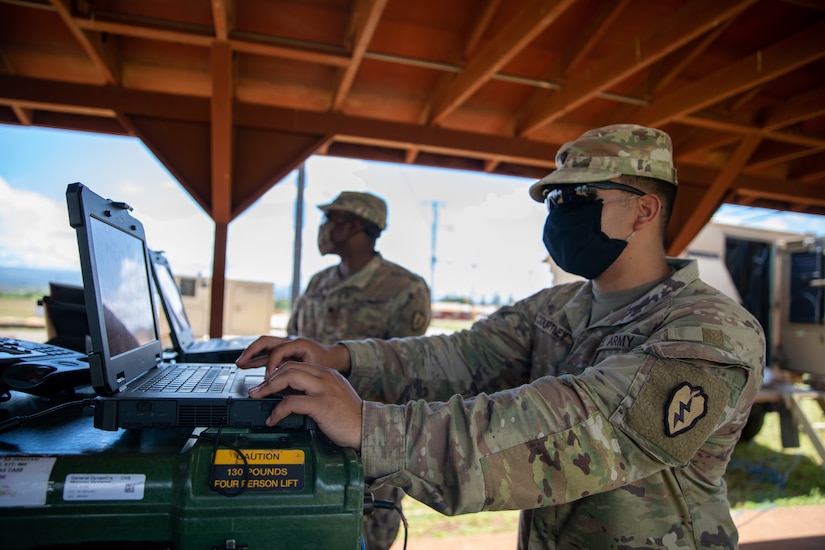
(607, 410)
(364, 296)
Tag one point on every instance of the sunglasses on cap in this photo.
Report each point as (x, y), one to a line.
(587, 193)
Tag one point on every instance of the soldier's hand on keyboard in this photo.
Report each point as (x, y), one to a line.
(273, 352)
(325, 396)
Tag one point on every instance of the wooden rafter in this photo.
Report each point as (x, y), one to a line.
(713, 196)
(596, 26)
(536, 16)
(98, 52)
(222, 11)
(670, 67)
(364, 20)
(247, 45)
(482, 20)
(753, 70)
(807, 106)
(694, 19)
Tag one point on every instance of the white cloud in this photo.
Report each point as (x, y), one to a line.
(488, 240)
(35, 231)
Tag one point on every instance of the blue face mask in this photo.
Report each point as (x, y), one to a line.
(574, 238)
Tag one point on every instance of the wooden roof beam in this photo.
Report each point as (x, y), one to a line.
(143, 31)
(670, 67)
(704, 142)
(758, 68)
(242, 44)
(781, 158)
(24, 115)
(810, 169)
(223, 16)
(739, 128)
(197, 109)
(482, 21)
(364, 21)
(100, 53)
(411, 154)
(800, 108)
(714, 195)
(531, 21)
(769, 190)
(597, 25)
(691, 21)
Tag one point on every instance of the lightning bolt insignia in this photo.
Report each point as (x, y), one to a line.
(686, 406)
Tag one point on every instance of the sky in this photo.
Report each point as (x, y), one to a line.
(488, 234)
(487, 240)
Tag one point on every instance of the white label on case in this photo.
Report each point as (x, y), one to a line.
(104, 487)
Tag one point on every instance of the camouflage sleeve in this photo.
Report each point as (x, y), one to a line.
(292, 324)
(536, 445)
(549, 442)
(413, 311)
(494, 354)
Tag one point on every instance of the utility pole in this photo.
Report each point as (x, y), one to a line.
(435, 205)
(299, 227)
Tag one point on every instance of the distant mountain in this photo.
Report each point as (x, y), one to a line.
(27, 279)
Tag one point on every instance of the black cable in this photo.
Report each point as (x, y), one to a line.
(371, 502)
(17, 421)
(212, 477)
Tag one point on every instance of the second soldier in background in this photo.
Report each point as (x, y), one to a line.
(364, 296)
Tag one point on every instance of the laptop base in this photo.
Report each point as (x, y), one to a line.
(111, 414)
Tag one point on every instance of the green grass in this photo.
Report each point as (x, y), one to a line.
(761, 473)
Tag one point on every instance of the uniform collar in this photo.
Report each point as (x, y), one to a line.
(361, 278)
(684, 272)
(577, 310)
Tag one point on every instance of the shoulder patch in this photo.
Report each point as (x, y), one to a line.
(687, 405)
(678, 407)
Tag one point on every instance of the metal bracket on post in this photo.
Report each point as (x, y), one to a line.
(792, 398)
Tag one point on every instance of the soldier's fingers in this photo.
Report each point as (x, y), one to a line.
(327, 398)
(256, 353)
(302, 377)
(340, 422)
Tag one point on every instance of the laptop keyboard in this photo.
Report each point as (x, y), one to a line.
(190, 378)
(24, 348)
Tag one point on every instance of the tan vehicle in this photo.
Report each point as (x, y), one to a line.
(780, 278)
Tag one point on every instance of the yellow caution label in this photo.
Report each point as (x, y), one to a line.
(260, 456)
(263, 470)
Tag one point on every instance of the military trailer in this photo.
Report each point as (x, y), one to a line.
(780, 278)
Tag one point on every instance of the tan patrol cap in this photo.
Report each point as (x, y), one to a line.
(364, 205)
(609, 152)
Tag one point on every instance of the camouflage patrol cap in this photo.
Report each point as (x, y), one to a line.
(609, 152)
(364, 205)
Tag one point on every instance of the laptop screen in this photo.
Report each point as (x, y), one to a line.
(172, 300)
(126, 298)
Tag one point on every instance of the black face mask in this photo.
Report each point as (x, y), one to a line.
(574, 238)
